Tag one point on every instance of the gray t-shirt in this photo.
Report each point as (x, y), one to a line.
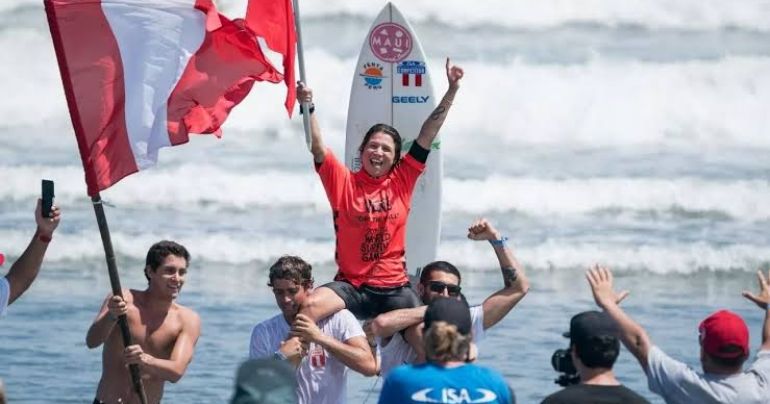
(678, 383)
(397, 352)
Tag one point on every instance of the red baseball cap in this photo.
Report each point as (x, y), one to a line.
(724, 334)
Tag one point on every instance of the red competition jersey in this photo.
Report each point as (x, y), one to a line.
(370, 220)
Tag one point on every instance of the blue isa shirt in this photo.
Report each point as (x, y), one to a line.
(431, 383)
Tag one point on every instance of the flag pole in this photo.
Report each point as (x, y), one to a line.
(302, 77)
(112, 269)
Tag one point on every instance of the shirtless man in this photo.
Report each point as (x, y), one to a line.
(164, 333)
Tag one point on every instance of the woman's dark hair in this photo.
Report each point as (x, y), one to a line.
(388, 130)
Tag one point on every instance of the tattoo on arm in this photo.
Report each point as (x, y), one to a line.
(437, 113)
(509, 276)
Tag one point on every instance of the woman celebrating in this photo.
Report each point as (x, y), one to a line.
(370, 209)
(447, 377)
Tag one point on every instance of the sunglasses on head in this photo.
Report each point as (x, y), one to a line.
(438, 287)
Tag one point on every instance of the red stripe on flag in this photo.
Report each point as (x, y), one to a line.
(405, 80)
(273, 20)
(217, 77)
(418, 80)
(92, 74)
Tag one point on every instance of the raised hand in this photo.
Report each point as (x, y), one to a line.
(763, 298)
(600, 280)
(47, 225)
(304, 93)
(481, 229)
(453, 74)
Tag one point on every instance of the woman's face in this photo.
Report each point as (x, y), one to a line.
(379, 154)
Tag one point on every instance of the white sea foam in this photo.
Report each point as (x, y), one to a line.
(532, 14)
(190, 187)
(703, 105)
(682, 14)
(476, 256)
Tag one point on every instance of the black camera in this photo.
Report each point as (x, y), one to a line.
(561, 360)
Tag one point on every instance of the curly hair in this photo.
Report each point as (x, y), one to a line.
(291, 268)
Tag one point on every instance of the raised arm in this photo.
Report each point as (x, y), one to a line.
(173, 368)
(317, 146)
(633, 336)
(354, 352)
(516, 284)
(391, 322)
(763, 301)
(432, 125)
(24, 271)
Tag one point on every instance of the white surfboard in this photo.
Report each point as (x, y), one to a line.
(392, 84)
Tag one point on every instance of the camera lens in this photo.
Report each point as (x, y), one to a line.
(561, 360)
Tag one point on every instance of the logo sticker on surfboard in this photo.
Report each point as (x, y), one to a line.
(372, 75)
(411, 68)
(390, 42)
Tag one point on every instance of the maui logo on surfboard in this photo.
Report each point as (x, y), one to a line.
(410, 68)
(372, 75)
(390, 42)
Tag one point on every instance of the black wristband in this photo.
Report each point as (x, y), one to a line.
(302, 110)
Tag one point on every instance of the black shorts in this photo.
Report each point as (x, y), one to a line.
(368, 301)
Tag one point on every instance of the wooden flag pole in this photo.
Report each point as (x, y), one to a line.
(112, 269)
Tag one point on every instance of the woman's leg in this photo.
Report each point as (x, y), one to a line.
(322, 303)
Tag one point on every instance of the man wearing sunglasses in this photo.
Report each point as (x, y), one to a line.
(322, 353)
(442, 279)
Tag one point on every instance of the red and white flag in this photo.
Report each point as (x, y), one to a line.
(143, 74)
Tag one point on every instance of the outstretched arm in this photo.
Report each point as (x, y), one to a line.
(432, 125)
(515, 280)
(317, 147)
(26, 268)
(173, 368)
(763, 301)
(355, 352)
(632, 334)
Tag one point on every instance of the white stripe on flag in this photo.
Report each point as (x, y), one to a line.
(156, 39)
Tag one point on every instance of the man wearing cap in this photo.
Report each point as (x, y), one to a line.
(442, 279)
(26, 268)
(594, 347)
(724, 341)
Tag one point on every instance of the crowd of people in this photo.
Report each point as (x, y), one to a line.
(422, 339)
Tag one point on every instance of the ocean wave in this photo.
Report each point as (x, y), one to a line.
(604, 102)
(196, 187)
(468, 255)
(538, 14)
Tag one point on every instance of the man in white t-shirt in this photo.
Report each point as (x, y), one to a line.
(724, 342)
(326, 350)
(26, 268)
(400, 331)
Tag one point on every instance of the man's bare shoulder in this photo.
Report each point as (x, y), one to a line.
(187, 315)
